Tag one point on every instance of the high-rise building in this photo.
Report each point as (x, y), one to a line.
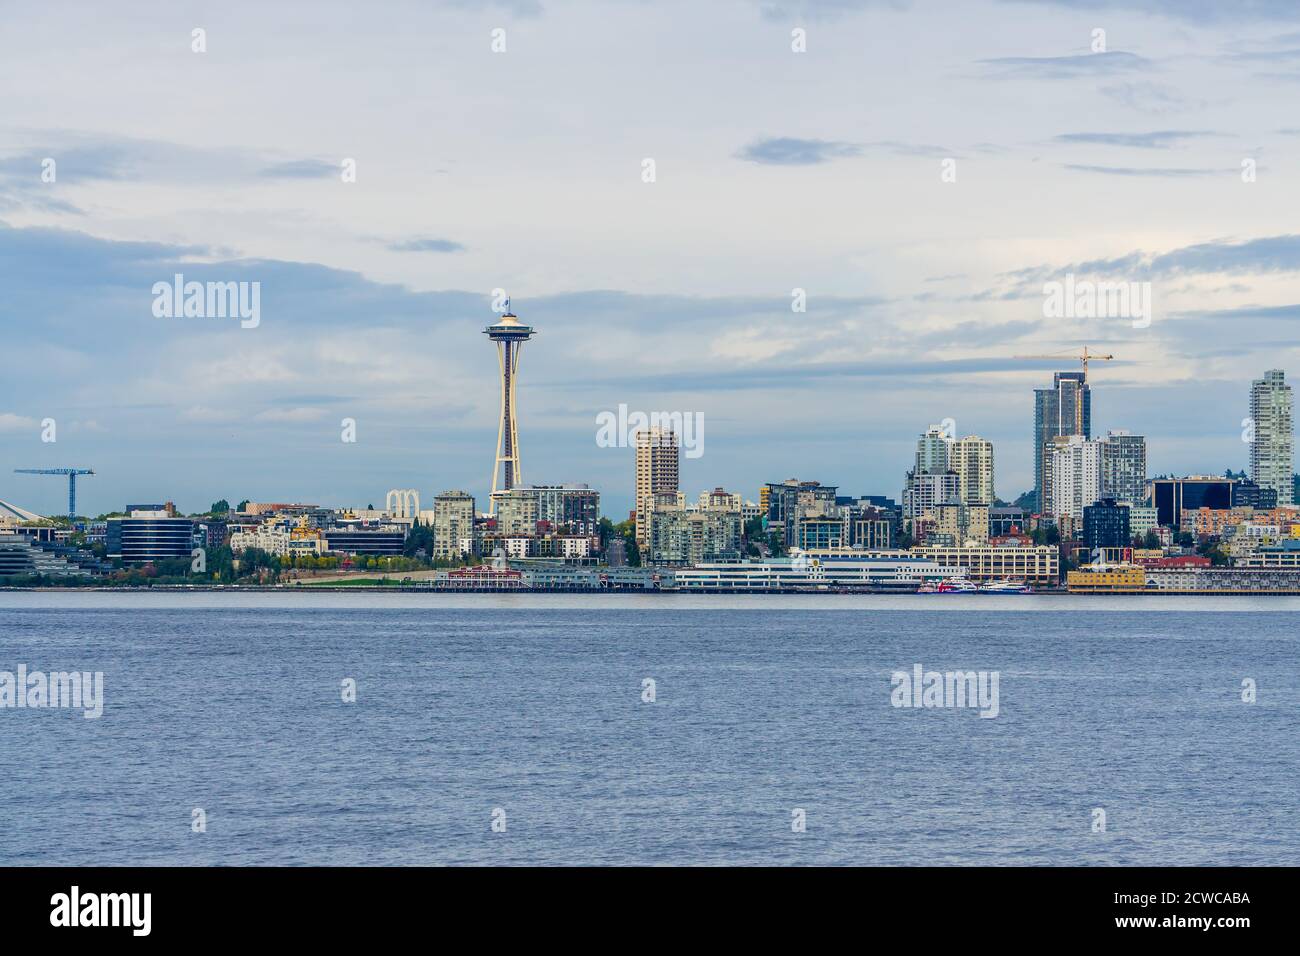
(516, 512)
(932, 451)
(1062, 410)
(972, 459)
(1075, 473)
(1106, 524)
(575, 508)
(453, 524)
(719, 499)
(1272, 451)
(1173, 496)
(959, 524)
(924, 491)
(509, 334)
(792, 501)
(680, 537)
(658, 471)
(1124, 467)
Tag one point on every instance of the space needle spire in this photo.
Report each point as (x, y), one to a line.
(509, 334)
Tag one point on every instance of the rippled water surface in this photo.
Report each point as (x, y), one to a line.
(232, 704)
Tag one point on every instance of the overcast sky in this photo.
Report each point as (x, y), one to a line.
(522, 170)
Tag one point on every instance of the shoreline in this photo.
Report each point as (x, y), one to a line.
(641, 592)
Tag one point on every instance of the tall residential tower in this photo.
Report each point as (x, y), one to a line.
(1063, 410)
(1272, 451)
(658, 465)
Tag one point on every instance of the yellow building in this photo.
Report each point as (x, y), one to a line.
(1107, 579)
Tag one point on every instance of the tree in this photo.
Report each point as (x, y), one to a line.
(419, 538)
(220, 507)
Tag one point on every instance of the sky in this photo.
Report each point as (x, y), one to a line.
(917, 172)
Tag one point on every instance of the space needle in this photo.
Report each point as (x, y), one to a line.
(510, 335)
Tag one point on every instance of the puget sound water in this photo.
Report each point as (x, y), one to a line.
(622, 729)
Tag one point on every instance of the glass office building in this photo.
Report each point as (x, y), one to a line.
(1062, 410)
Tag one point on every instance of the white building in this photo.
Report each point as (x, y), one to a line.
(924, 491)
(972, 459)
(804, 573)
(265, 537)
(1273, 450)
(1076, 476)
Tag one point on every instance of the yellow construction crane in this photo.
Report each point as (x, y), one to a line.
(1084, 356)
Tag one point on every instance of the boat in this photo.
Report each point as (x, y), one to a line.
(1005, 587)
(947, 586)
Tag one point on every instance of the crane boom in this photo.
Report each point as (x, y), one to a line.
(72, 474)
(1084, 356)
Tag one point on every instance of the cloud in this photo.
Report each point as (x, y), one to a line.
(520, 8)
(1268, 255)
(1160, 139)
(1068, 67)
(1195, 11)
(1152, 98)
(820, 9)
(9, 422)
(83, 158)
(425, 245)
(302, 169)
(1151, 172)
(788, 151)
(1271, 313)
(291, 416)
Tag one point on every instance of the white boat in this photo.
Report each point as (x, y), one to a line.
(1006, 587)
(948, 586)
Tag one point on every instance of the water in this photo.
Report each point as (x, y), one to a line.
(532, 704)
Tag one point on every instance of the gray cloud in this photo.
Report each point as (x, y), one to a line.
(425, 245)
(1195, 11)
(1155, 172)
(1159, 139)
(302, 169)
(1154, 99)
(1067, 67)
(1264, 256)
(788, 151)
(94, 157)
(820, 9)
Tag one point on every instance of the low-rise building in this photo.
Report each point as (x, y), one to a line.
(147, 536)
(22, 555)
(1039, 564)
(814, 573)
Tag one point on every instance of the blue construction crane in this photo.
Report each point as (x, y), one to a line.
(72, 474)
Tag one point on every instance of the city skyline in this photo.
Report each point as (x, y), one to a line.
(680, 292)
(1277, 441)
